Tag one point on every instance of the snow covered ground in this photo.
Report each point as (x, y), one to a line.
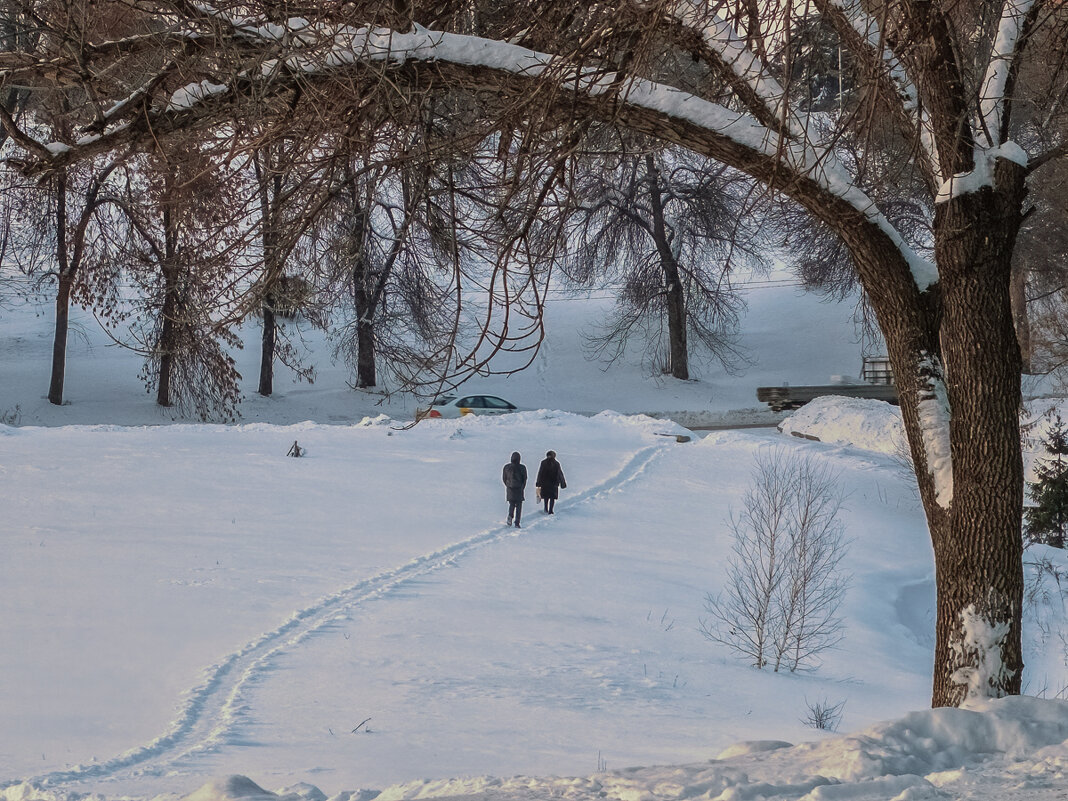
(183, 606)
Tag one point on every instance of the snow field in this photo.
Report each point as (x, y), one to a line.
(183, 606)
(233, 610)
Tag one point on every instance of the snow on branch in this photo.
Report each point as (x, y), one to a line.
(301, 48)
(350, 46)
(982, 172)
(870, 38)
(993, 98)
(723, 40)
(191, 94)
(993, 105)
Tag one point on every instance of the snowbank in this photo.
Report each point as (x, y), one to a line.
(1000, 749)
(858, 422)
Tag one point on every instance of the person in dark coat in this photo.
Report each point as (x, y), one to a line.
(550, 480)
(514, 477)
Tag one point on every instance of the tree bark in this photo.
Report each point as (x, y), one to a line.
(366, 291)
(366, 376)
(66, 283)
(59, 341)
(270, 198)
(167, 345)
(69, 252)
(978, 551)
(957, 337)
(363, 301)
(675, 296)
(1021, 317)
(266, 387)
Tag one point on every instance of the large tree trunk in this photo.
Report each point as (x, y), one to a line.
(956, 363)
(958, 373)
(975, 236)
(66, 283)
(675, 296)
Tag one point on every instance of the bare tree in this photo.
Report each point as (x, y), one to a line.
(185, 251)
(50, 231)
(297, 179)
(71, 243)
(374, 249)
(668, 228)
(784, 584)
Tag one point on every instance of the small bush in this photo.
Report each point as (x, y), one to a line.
(823, 715)
(11, 417)
(784, 585)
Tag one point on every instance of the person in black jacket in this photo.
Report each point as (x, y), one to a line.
(550, 480)
(514, 477)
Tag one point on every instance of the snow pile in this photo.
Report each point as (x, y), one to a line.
(858, 422)
(937, 740)
(1013, 747)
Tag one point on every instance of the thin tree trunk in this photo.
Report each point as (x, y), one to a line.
(675, 295)
(365, 357)
(266, 387)
(59, 342)
(66, 282)
(365, 332)
(270, 194)
(364, 295)
(168, 345)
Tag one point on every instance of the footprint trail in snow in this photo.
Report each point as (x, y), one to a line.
(212, 709)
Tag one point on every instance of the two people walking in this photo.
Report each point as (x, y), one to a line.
(549, 482)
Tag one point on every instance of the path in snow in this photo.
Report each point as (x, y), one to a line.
(211, 710)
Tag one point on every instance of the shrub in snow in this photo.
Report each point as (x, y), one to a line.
(1047, 520)
(11, 417)
(784, 584)
(823, 715)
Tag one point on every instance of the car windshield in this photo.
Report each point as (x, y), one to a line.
(442, 400)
